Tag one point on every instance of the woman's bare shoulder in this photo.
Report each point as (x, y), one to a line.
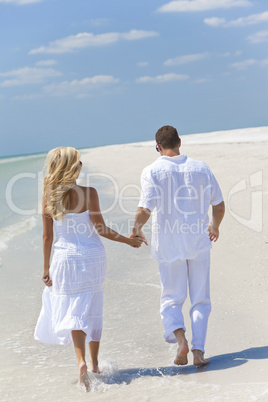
(90, 192)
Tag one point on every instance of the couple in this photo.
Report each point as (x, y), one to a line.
(178, 191)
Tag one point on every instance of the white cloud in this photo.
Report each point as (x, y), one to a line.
(163, 78)
(214, 21)
(28, 75)
(79, 88)
(46, 63)
(243, 65)
(83, 40)
(186, 59)
(250, 20)
(135, 34)
(20, 2)
(201, 5)
(143, 64)
(240, 22)
(258, 37)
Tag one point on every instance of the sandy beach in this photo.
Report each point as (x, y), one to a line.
(137, 364)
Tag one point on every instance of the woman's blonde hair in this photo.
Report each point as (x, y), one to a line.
(62, 168)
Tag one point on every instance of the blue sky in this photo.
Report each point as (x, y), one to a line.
(87, 73)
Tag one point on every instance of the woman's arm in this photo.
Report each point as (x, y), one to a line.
(100, 226)
(47, 243)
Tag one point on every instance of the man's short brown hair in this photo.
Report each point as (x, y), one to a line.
(167, 137)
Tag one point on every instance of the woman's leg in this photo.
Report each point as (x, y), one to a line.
(79, 338)
(94, 352)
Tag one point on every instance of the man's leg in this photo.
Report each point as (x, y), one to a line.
(174, 292)
(199, 289)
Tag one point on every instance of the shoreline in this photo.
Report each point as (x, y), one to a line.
(245, 135)
(212, 137)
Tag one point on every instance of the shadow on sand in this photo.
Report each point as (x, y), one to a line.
(220, 362)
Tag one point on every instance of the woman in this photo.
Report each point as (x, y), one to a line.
(73, 296)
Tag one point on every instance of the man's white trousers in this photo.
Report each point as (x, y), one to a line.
(174, 279)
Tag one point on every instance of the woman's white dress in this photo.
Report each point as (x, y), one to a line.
(75, 299)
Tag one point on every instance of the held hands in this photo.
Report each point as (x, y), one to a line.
(213, 232)
(138, 235)
(46, 278)
(136, 241)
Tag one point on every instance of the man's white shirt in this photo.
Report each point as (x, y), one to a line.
(179, 190)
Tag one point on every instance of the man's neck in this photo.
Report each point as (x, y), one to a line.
(170, 152)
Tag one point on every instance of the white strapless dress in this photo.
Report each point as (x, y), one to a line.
(78, 268)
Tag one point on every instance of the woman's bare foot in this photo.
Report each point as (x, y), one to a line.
(95, 368)
(199, 359)
(83, 376)
(181, 358)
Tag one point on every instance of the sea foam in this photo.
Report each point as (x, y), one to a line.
(9, 232)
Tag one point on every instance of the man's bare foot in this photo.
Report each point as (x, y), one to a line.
(199, 359)
(181, 358)
(83, 376)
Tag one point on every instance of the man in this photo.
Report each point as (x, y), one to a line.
(178, 191)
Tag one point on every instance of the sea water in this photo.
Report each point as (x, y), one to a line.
(136, 363)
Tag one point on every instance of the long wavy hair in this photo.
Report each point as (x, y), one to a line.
(62, 168)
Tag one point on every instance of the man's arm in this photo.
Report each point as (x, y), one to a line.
(142, 216)
(217, 216)
(146, 204)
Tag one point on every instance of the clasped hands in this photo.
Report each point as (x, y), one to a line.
(138, 235)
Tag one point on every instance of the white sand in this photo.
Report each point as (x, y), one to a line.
(239, 283)
(111, 159)
(133, 333)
